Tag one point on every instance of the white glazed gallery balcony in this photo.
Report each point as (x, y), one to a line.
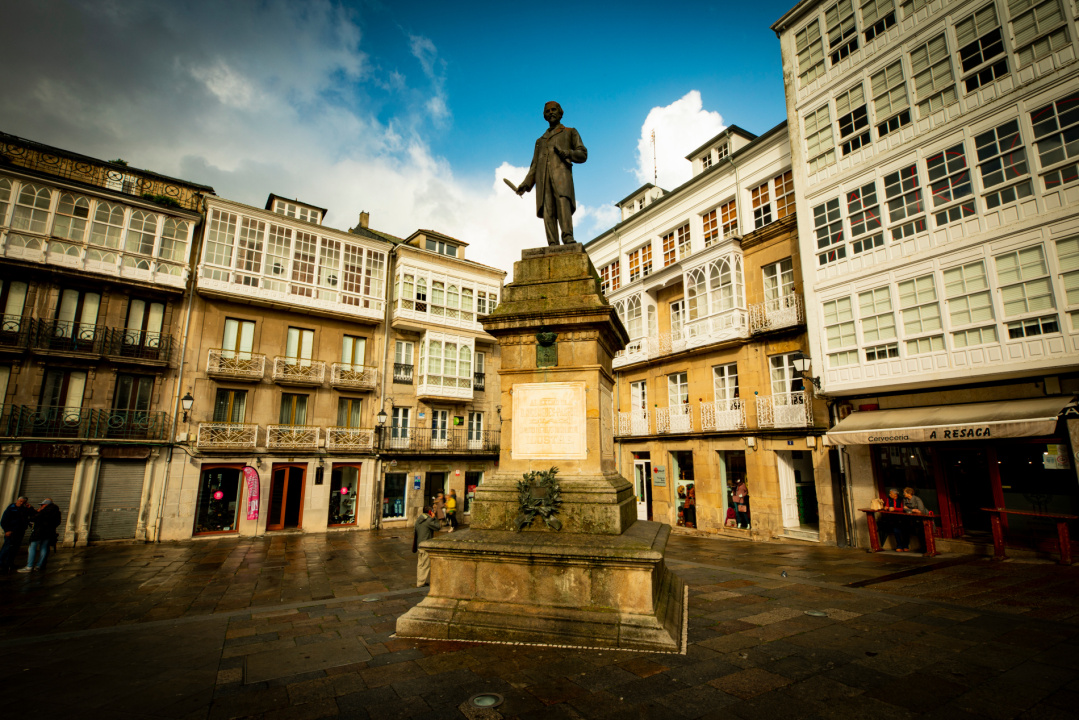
(676, 419)
(298, 371)
(786, 410)
(75, 255)
(728, 325)
(236, 365)
(292, 437)
(634, 422)
(721, 415)
(783, 312)
(343, 439)
(227, 436)
(349, 376)
(443, 386)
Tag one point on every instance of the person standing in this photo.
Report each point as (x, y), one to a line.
(426, 527)
(43, 535)
(439, 507)
(451, 509)
(14, 522)
(741, 504)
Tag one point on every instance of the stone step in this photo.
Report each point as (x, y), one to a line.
(801, 534)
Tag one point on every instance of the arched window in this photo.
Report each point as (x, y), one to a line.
(434, 358)
(464, 367)
(695, 293)
(32, 209)
(453, 297)
(108, 225)
(141, 231)
(72, 215)
(5, 198)
(720, 286)
(173, 240)
(421, 294)
(438, 293)
(653, 326)
(633, 315)
(466, 299)
(449, 360)
(739, 289)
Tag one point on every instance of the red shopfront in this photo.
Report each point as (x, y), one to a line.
(962, 458)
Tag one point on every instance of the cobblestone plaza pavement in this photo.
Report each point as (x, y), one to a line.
(295, 626)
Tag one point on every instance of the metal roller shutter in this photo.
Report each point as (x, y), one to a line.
(54, 480)
(116, 502)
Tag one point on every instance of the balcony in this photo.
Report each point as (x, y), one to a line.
(138, 346)
(788, 410)
(479, 381)
(728, 325)
(14, 332)
(677, 419)
(233, 365)
(343, 439)
(442, 441)
(402, 373)
(442, 386)
(634, 422)
(298, 371)
(61, 336)
(723, 415)
(227, 436)
(292, 437)
(347, 376)
(784, 312)
(131, 425)
(78, 256)
(50, 422)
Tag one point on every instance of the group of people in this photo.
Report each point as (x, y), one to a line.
(443, 509)
(18, 516)
(898, 527)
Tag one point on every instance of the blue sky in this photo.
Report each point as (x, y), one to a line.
(411, 111)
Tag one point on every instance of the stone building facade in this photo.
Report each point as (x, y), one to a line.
(933, 150)
(706, 279)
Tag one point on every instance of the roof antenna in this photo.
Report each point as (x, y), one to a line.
(655, 172)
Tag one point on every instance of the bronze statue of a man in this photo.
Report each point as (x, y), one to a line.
(551, 173)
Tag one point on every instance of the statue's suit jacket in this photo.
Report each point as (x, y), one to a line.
(547, 167)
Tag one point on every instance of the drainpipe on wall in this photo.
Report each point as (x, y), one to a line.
(387, 363)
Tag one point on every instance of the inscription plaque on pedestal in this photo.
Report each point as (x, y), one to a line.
(549, 421)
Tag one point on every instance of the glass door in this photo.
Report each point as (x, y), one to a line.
(439, 433)
(642, 484)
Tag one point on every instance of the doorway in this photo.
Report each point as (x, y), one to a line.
(433, 484)
(642, 484)
(286, 497)
(966, 472)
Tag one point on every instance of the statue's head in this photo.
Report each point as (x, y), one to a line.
(552, 111)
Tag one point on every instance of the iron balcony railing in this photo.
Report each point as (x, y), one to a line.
(82, 423)
(67, 336)
(138, 344)
(298, 371)
(723, 414)
(675, 419)
(344, 439)
(227, 436)
(402, 373)
(353, 377)
(440, 440)
(634, 422)
(14, 331)
(479, 381)
(292, 437)
(782, 312)
(236, 365)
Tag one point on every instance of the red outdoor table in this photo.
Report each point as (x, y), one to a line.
(1063, 536)
(927, 525)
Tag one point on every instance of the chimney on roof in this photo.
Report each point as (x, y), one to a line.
(365, 219)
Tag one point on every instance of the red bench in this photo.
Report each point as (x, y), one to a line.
(1062, 531)
(927, 525)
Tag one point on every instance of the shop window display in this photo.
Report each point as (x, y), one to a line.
(393, 495)
(344, 488)
(218, 500)
(1036, 477)
(732, 464)
(684, 487)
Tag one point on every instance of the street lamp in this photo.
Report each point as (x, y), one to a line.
(381, 425)
(186, 402)
(802, 365)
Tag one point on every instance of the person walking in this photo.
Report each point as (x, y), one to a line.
(439, 508)
(43, 535)
(451, 509)
(741, 504)
(14, 522)
(426, 527)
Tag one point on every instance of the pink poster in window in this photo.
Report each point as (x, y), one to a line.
(251, 479)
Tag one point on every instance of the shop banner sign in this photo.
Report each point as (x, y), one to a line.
(251, 479)
(944, 433)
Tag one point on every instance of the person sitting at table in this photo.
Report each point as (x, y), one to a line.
(892, 524)
(912, 505)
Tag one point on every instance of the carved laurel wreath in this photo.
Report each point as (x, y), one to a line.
(540, 496)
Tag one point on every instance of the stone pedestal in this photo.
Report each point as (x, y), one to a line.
(600, 580)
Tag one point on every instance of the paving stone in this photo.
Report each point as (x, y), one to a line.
(749, 683)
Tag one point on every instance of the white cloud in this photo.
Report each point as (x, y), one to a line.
(679, 128)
